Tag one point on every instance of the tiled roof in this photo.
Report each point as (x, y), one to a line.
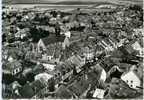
(38, 69)
(133, 72)
(12, 65)
(108, 41)
(129, 48)
(70, 63)
(53, 39)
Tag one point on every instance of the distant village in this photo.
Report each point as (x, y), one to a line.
(77, 54)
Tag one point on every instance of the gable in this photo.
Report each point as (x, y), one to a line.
(136, 46)
(53, 39)
(66, 40)
(130, 76)
(103, 75)
(41, 43)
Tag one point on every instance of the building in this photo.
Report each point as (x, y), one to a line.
(88, 52)
(67, 34)
(99, 93)
(78, 61)
(132, 79)
(103, 75)
(44, 77)
(22, 33)
(10, 90)
(49, 46)
(10, 59)
(65, 70)
(49, 67)
(52, 40)
(129, 49)
(12, 68)
(136, 46)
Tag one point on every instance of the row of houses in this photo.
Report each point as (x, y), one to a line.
(57, 74)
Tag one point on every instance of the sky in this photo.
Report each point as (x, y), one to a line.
(53, 1)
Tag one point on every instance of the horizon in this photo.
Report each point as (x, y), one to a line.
(67, 1)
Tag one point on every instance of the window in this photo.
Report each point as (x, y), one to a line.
(131, 85)
(41, 48)
(55, 75)
(59, 74)
(127, 81)
(131, 81)
(13, 73)
(20, 69)
(136, 70)
(16, 70)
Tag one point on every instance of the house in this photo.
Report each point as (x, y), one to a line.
(10, 59)
(128, 49)
(12, 68)
(38, 68)
(49, 67)
(44, 77)
(121, 42)
(10, 90)
(113, 41)
(52, 21)
(14, 87)
(139, 32)
(67, 34)
(136, 46)
(22, 33)
(78, 61)
(52, 40)
(132, 79)
(65, 70)
(10, 54)
(88, 52)
(52, 44)
(103, 75)
(99, 93)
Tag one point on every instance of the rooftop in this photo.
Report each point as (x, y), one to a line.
(53, 39)
(12, 65)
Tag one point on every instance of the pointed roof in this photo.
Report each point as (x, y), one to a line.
(12, 65)
(133, 72)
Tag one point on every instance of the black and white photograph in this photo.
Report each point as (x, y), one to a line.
(72, 49)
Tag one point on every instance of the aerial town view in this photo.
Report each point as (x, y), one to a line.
(72, 49)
